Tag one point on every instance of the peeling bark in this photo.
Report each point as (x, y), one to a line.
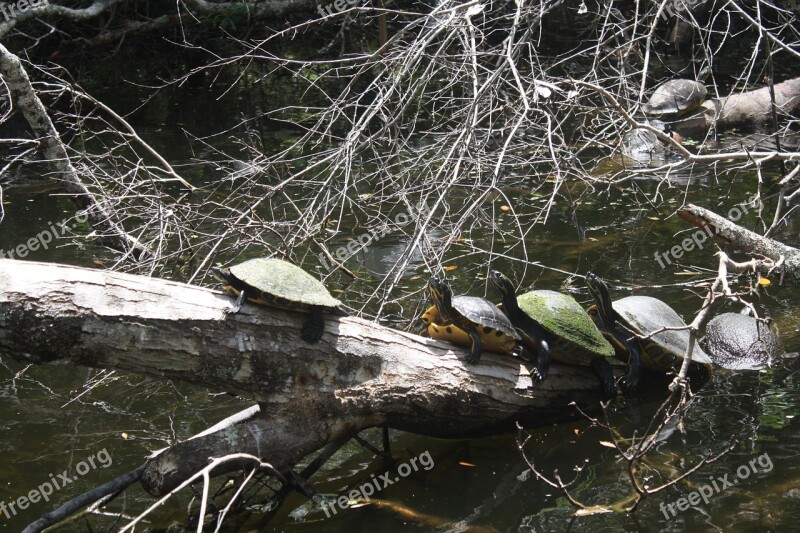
(359, 375)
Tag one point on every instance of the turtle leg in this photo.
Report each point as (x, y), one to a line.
(314, 327)
(477, 347)
(540, 360)
(605, 375)
(631, 380)
(424, 331)
(237, 305)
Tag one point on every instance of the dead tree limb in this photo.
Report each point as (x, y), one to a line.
(743, 110)
(745, 240)
(359, 375)
(24, 97)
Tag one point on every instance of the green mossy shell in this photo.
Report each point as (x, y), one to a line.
(563, 317)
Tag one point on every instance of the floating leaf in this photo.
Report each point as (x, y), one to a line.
(607, 444)
(764, 281)
(125, 436)
(464, 463)
(450, 268)
(653, 218)
(593, 510)
(505, 208)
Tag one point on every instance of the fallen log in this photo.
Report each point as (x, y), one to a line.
(745, 241)
(744, 110)
(359, 375)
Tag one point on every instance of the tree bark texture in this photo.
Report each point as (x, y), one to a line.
(743, 239)
(359, 375)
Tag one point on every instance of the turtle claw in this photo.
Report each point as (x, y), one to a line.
(605, 375)
(236, 306)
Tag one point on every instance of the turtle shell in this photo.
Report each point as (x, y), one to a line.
(283, 284)
(663, 351)
(577, 339)
(675, 97)
(493, 340)
(484, 314)
(740, 342)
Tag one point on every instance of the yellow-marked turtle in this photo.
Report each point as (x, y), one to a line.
(493, 342)
(627, 321)
(278, 283)
(557, 327)
(477, 317)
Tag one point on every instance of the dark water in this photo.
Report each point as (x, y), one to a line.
(57, 417)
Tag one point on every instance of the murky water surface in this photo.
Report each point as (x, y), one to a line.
(52, 424)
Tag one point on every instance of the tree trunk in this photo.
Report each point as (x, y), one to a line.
(359, 375)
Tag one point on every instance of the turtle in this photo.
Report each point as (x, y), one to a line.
(556, 326)
(492, 342)
(629, 324)
(644, 146)
(477, 317)
(278, 283)
(676, 98)
(740, 342)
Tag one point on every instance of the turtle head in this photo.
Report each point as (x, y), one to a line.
(221, 273)
(602, 297)
(503, 284)
(704, 73)
(442, 297)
